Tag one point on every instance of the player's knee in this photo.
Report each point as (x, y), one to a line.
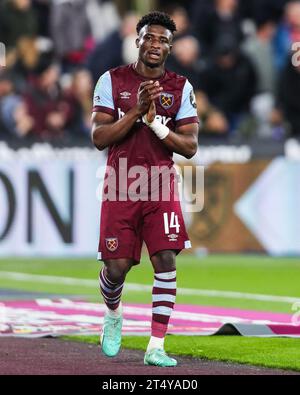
(115, 274)
(164, 261)
(116, 271)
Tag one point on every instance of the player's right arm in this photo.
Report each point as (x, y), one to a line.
(105, 130)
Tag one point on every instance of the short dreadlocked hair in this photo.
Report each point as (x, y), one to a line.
(156, 18)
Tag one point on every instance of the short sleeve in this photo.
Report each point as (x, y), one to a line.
(103, 96)
(188, 109)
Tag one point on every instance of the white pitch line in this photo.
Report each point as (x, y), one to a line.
(36, 278)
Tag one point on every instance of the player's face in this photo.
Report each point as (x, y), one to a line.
(154, 43)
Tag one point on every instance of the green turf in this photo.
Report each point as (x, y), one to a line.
(267, 352)
(246, 274)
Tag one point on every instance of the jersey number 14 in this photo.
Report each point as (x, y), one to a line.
(172, 223)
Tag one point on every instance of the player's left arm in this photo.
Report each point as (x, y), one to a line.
(184, 139)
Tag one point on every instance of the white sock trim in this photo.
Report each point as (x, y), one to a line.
(166, 276)
(115, 313)
(156, 342)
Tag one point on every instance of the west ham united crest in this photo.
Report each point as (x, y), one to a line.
(166, 100)
(111, 244)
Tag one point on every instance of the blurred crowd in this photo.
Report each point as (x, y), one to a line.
(236, 53)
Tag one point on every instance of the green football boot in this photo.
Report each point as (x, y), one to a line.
(111, 335)
(158, 357)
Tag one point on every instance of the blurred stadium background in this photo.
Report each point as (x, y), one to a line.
(238, 55)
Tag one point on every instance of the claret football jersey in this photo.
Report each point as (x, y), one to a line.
(116, 93)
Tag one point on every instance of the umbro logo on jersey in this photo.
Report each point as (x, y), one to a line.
(125, 95)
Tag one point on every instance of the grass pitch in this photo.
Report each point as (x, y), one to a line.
(244, 274)
(266, 352)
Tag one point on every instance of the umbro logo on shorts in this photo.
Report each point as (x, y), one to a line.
(173, 237)
(111, 244)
